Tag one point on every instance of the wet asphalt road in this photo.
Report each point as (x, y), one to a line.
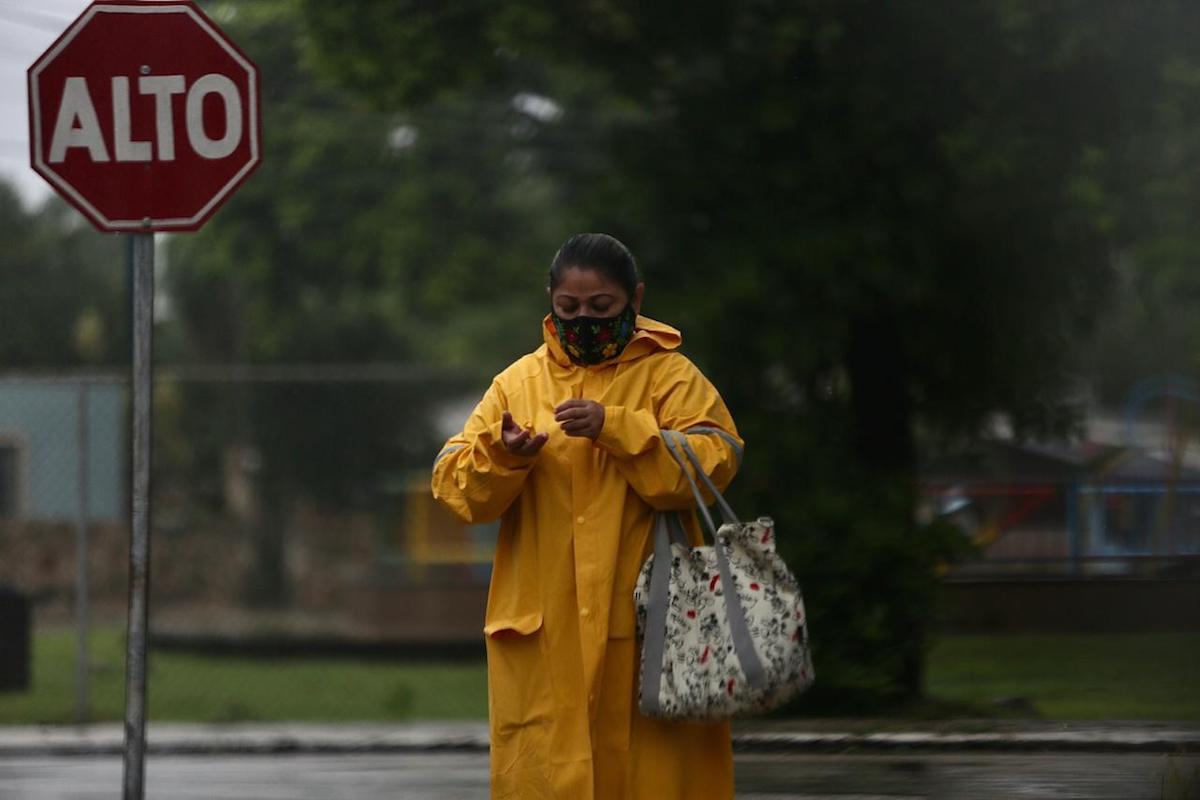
(463, 776)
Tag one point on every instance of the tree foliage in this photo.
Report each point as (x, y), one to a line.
(874, 223)
(398, 236)
(871, 221)
(367, 234)
(61, 289)
(1152, 327)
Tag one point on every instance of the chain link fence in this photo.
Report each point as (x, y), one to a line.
(301, 569)
(291, 516)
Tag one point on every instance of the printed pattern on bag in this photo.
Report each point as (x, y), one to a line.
(701, 677)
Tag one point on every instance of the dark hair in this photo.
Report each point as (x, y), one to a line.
(599, 252)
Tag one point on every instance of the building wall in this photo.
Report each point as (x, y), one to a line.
(41, 420)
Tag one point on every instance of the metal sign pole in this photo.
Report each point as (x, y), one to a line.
(177, 188)
(82, 515)
(139, 549)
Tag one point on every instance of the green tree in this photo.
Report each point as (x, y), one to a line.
(367, 235)
(61, 288)
(873, 221)
(1151, 328)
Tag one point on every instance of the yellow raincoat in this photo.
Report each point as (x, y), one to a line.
(577, 523)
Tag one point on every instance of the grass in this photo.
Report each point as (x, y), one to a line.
(223, 689)
(1080, 677)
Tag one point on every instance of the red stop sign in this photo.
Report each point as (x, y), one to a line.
(144, 115)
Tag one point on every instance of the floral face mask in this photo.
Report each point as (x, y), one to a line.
(590, 340)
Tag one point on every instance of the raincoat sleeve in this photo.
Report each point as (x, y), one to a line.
(474, 475)
(684, 401)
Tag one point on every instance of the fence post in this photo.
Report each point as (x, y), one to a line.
(1074, 531)
(82, 513)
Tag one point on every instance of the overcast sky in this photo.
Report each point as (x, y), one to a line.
(27, 27)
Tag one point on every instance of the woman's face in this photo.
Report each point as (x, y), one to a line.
(583, 292)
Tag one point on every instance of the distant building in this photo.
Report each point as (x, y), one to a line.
(1087, 507)
(40, 448)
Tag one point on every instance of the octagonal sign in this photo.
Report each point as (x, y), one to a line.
(144, 115)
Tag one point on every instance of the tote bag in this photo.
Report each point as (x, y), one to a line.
(722, 626)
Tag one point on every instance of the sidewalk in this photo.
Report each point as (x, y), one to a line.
(794, 736)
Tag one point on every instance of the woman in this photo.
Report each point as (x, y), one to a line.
(565, 449)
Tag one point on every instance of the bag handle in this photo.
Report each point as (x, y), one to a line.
(656, 617)
(727, 512)
(701, 506)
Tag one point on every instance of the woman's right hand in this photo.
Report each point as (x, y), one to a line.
(520, 441)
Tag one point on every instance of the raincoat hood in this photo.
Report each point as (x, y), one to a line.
(649, 336)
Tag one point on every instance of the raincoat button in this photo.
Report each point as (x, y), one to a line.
(585, 612)
(579, 520)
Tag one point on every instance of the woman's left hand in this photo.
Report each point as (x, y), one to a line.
(580, 417)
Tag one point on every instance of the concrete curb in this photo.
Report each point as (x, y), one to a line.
(260, 739)
(201, 739)
(1124, 741)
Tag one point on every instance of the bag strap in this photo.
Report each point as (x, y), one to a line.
(666, 528)
(739, 630)
(701, 506)
(727, 513)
